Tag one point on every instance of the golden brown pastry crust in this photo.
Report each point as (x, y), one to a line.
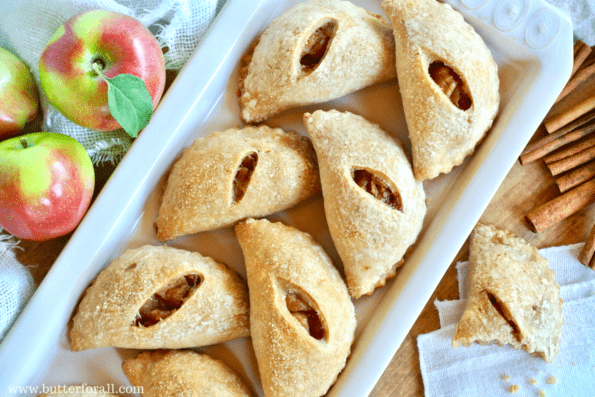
(280, 259)
(78, 391)
(217, 311)
(360, 53)
(370, 236)
(199, 192)
(441, 134)
(513, 296)
(183, 373)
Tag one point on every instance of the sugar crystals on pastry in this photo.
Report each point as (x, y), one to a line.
(234, 174)
(161, 297)
(513, 296)
(185, 373)
(448, 80)
(317, 51)
(373, 204)
(302, 320)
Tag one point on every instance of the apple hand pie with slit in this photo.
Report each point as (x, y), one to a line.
(448, 80)
(186, 373)
(302, 320)
(317, 51)
(236, 174)
(374, 206)
(513, 296)
(156, 297)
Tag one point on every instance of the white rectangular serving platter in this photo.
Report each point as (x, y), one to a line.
(532, 44)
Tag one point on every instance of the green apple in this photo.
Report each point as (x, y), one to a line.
(18, 96)
(46, 185)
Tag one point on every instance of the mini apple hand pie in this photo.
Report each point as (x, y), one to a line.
(161, 297)
(236, 174)
(186, 373)
(317, 51)
(302, 320)
(448, 81)
(513, 296)
(374, 206)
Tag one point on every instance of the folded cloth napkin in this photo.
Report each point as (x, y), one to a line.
(500, 370)
(25, 28)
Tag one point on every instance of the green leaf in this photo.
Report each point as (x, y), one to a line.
(129, 102)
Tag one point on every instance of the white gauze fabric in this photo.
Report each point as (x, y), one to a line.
(16, 284)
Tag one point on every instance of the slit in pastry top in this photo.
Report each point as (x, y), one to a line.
(243, 175)
(505, 313)
(317, 46)
(167, 300)
(378, 186)
(301, 307)
(451, 84)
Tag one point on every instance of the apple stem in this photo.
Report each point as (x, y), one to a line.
(25, 143)
(97, 67)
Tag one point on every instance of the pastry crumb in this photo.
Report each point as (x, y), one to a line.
(514, 389)
(506, 377)
(533, 381)
(542, 393)
(552, 380)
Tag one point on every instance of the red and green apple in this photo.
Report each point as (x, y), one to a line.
(104, 41)
(18, 96)
(46, 185)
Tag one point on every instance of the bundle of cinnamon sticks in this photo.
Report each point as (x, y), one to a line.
(568, 149)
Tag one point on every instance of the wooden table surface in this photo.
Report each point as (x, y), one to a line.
(524, 188)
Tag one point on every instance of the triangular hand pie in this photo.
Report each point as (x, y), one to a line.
(448, 81)
(302, 320)
(513, 296)
(236, 174)
(374, 206)
(157, 297)
(184, 373)
(317, 51)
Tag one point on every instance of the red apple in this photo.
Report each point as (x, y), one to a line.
(117, 44)
(18, 96)
(46, 184)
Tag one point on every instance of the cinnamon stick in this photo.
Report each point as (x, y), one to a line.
(576, 177)
(583, 75)
(561, 207)
(558, 167)
(559, 140)
(581, 52)
(570, 150)
(586, 255)
(555, 122)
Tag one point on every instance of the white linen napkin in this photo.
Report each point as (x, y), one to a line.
(496, 370)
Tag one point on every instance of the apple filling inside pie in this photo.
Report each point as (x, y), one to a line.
(306, 315)
(243, 175)
(167, 300)
(316, 46)
(378, 187)
(451, 84)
